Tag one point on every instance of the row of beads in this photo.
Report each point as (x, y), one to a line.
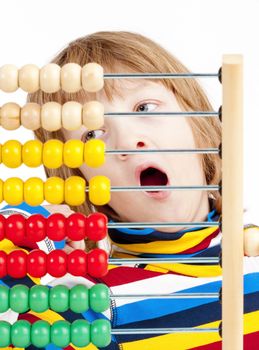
(57, 263)
(71, 77)
(56, 227)
(53, 153)
(55, 190)
(61, 333)
(52, 116)
(60, 298)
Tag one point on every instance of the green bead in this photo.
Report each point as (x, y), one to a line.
(19, 298)
(21, 334)
(99, 297)
(80, 333)
(60, 333)
(40, 334)
(101, 333)
(79, 298)
(39, 298)
(5, 334)
(59, 298)
(4, 299)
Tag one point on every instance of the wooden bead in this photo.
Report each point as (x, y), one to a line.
(92, 77)
(29, 78)
(51, 116)
(32, 153)
(251, 241)
(75, 190)
(10, 116)
(99, 190)
(52, 156)
(54, 190)
(13, 191)
(30, 116)
(71, 77)
(50, 78)
(73, 153)
(8, 78)
(12, 154)
(1, 191)
(93, 115)
(33, 191)
(94, 153)
(72, 115)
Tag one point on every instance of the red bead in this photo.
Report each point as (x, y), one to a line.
(96, 226)
(76, 226)
(17, 264)
(3, 264)
(36, 228)
(97, 262)
(37, 263)
(56, 227)
(77, 262)
(2, 227)
(57, 263)
(15, 228)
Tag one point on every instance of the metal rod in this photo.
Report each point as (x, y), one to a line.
(160, 224)
(179, 150)
(162, 330)
(191, 260)
(168, 296)
(159, 75)
(160, 188)
(162, 114)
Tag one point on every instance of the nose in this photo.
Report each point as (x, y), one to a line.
(133, 145)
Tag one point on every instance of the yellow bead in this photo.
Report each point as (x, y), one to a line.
(32, 153)
(73, 153)
(12, 154)
(99, 190)
(33, 191)
(52, 156)
(1, 191)
(94, 153)
(75, 190)
(54, 190)
(13, 191)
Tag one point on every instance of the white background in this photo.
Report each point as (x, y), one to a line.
(198, 32)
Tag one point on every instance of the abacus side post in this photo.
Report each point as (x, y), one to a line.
(232, 202)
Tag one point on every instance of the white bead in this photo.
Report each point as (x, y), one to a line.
(251, 241)
(30, 116)
(51, 116)
(29, 78)
(72, 115)
(71, 77)
(10, 116)
(92, 77)
(50, 78)
(93, 115)
(8, 78)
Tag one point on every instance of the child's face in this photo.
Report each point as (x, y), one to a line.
(151, 132)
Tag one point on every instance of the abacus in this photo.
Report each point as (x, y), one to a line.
(52, 116)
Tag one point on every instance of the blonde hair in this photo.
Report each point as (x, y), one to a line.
(136, 53)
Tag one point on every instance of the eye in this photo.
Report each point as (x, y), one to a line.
(95, 134)
(146, 107)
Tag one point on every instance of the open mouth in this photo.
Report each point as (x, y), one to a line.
(153, 177)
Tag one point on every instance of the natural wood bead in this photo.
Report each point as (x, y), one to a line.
(8, 78)
(251, 241)
(93, 115)
(10, 116)
(51, 116)
(30, 116)
(72, 115)
(29, 78)
(71, 77)
(92, 77)
(50, 78)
